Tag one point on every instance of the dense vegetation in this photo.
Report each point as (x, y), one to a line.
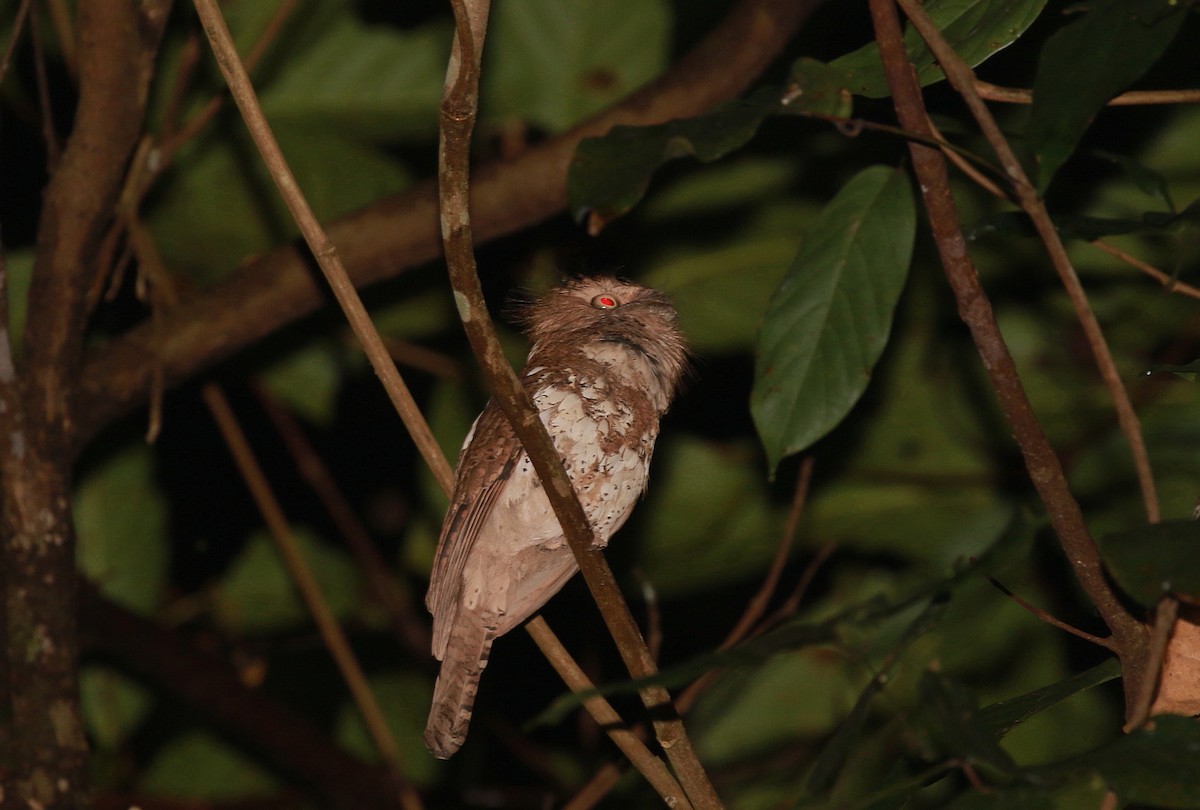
(844, 480)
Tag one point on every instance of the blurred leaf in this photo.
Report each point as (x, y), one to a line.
(404, 699)
(554, 62)
(828, 322)
(610, 174)
(1153, 766)
(949, 713)
(749, 712)
(976, 29)
(367, 83)
(112, 705)
(221, 206)
(121, 527)
(1148, 181)
(257, 595)
(1074, 226)
(1151, 561)
(18, 273)
(418, 314)
(308, 379)
(849, 732)
(1000, 718)
(708, 507)
(721, 285)
(801, 631)
(1186, 368)
(199, 766)
(1087, 62)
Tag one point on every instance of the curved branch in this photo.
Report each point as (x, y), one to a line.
(1045, 469)
(400, 232)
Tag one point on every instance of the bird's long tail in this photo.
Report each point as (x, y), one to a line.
(454, 694)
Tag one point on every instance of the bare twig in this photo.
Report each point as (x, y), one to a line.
(14, 36)
(596, 788)
(962, 78)
(1051, 620)
(64, 29)
(413, 633)
(1165, 614)
(652, 767)
(318, 242)
(1168, 281)
(45, 109)
(1045, 469)
(758, 604)
(1021, 95)
(792, 603)
(310, 591)
(457, 121)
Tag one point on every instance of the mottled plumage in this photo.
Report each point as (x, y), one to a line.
(605, 361)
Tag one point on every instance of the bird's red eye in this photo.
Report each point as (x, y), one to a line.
(604, 302)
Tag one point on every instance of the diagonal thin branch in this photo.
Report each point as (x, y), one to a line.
(459, 109)
(1045, 469)
(318, 241)
(962, 79)
(401, 232)
(325, 253)
(310, 591)
(604, 714)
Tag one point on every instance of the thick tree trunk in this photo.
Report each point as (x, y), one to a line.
(43, 759)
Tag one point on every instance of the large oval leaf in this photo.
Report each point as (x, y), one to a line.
(1088, 62)
(976, 29)
(828, 321)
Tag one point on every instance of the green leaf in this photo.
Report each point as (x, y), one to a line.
(367, 83)
(828, 322)
(730, 530)
(553, 62)
(950, 715)
(1087, 62)
(976, 29)
(19, 273)
(404, 700)
(199, 766)
(222, 206)
(1152, 561)
(802, 631)
(112, 705)
(121, 527)
(1153, 766)
(257, 594)
(1147, 180)
(845, 740)
(610, 174)
(308, 379)
(1002, 717)
(1089, 228)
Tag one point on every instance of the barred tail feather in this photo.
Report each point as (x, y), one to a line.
(454, 694)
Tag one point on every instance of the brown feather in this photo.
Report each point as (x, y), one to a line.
(605, 361)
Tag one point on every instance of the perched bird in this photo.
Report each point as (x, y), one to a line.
(605, 360)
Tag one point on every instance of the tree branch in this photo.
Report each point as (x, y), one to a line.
(45, 752)
(400, 232)
(460, 103)
(199, 679)
(974, 308)
(962, 79)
